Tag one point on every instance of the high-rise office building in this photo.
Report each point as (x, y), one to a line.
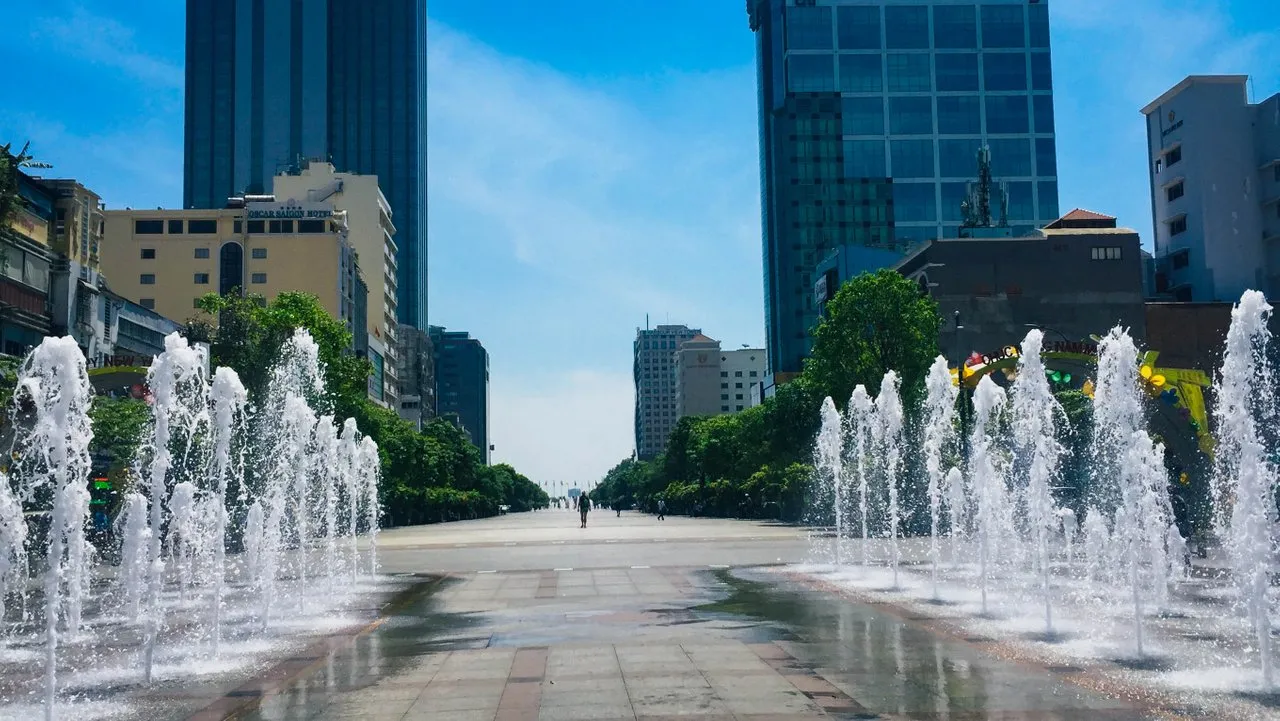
(272, 83)
(462, 384)
(1214, 163)
(654, 354)
(872, 113)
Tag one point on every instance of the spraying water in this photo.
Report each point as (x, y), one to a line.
(325, 469)
(888, 431)
(229, 400)
(372, 470)
(1244, 478)
(859, 418)
(180, 391)
(953, 488)
(350, 465)
(939, 431)
(54, 450)
(1035, 416)
(131, 525)
(828, 456)
(13, 545)
(987, 471)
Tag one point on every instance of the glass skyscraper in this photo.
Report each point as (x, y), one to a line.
(271, 83)
(872, 113)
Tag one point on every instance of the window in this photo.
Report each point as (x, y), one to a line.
(858, 28)
(258, 253)
(1043, 105)
(202, 227)
(1175, 191)
(959, 115)
(724, 396)
(280, 226)
(811, 73)
(1276, 170)
(148, 253)
(1010, 157)
(724, 409)
(911, 116)
(739, 407)
(238, 227)
(955, 26)
(1002, 27)
(148, 227)
(953, 194)
(914, 202)
(1039, 21)
(1007, 114)
(909, 73)
(912, 158)
(257, 226)
(862, 116)
(1004, 71)
(1046, 157)
(724, 374)
(1048, 198)
(1173, 156)
(864, 159)
(737, 396)
(724, 386)
(906, 27)
(1181, 259)
(754, 374)
(148, 303)
(202, 252)
(1178, 225)
(808, 28)
(175, 227)
(737, 374)
(1041, 72)
(147, 279)
(1022, 202)
(230, 267)
(957, 71)
(258, 278)
(311, 226)
(1105, 253)
(959, 158)
(202, 278)
(861, 74)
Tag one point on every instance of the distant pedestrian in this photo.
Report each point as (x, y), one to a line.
(584, 505)
(662, 510)
(617, 506)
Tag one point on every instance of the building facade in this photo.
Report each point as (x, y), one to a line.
(697, 370)
(415, 361)
(271, 83)
(871, 115)
(741, 373)
(1078, 277)
(1214, 165)
(25, 275)
(653, 370)
(462, 384)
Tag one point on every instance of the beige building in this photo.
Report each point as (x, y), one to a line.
(166, 260)
(711, 382)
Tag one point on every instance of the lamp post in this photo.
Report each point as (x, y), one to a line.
(964, 404)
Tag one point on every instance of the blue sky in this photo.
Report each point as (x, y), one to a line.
(593, 162)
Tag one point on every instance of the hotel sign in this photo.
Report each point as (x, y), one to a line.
(288, 211)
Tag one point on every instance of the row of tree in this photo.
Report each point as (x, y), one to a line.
(757, 464)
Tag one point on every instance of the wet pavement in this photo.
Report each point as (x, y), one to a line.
(657, 635)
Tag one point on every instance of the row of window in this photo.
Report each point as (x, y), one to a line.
(954, 115)
(954, 158)
(737, 374)
(210, 227)
(725, 396)
(915, 73)
(908, 27)
(1105, 253)
(203, 253)
(725, 409)
(201, 278)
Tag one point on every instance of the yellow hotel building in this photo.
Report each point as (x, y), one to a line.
(336, 243)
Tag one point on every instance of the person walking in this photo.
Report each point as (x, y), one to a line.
(584, 505)
(662, 510)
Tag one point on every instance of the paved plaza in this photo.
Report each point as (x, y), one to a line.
(531, 618)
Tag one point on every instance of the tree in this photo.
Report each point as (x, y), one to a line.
(9, 165)
(877, 322)
(118, 427)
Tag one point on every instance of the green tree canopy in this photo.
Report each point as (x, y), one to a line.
(877, 322)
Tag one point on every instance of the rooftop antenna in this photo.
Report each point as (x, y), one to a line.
(646, 321)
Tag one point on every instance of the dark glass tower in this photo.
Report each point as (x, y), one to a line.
(872, 113)
(273, 82)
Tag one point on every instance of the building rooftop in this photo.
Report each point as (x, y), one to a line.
(1081, 218)
(1190, 80)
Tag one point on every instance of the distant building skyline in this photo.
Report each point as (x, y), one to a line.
(871, 114)
(273, 83)
(653, 370)
(462, 384)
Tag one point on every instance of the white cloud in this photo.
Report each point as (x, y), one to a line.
(104, 41)
(574, 427)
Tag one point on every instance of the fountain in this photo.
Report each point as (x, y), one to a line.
(828, 457)
(53, 449)
(1037, 453)
(940, 411)
(887, 432)
(229, 399)
(859, 419)
(1245, 478)
(987, 474)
